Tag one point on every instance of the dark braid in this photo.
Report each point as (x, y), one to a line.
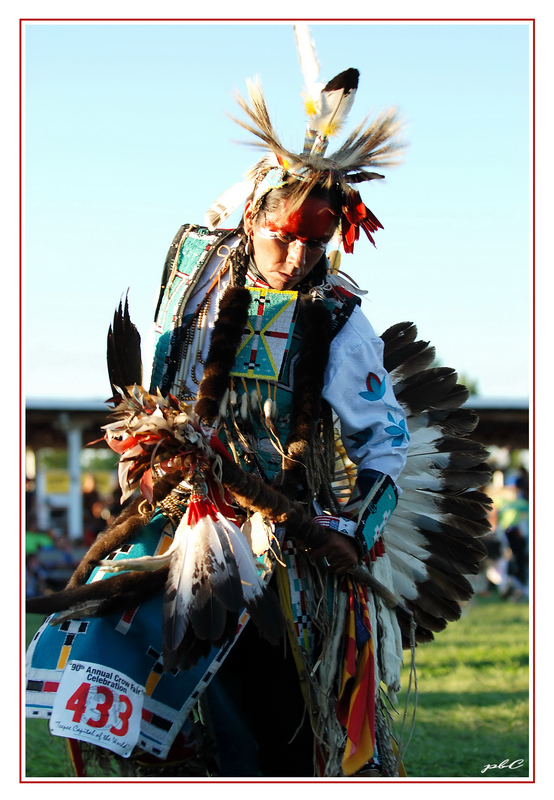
(226, 335)
(304, 460)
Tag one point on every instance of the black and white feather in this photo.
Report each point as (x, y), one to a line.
(203, 591)
(433, 538)
(212, 577)
(328, 112)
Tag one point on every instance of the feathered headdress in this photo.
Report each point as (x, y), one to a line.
(327, 106)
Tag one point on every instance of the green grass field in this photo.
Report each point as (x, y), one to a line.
(473, 696)
(473, 701)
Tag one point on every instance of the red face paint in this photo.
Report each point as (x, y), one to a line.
(286, 259)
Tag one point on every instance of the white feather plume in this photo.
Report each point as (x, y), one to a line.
(258, 533)
(309, 66)
(253, 587)
(234, 197)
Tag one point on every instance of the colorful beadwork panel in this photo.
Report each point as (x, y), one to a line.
(265, 345)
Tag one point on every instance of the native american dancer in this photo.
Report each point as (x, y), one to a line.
(276, 437)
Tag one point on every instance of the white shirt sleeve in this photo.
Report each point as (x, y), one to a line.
(373, 425)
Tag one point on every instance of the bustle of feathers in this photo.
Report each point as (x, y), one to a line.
(433, 539)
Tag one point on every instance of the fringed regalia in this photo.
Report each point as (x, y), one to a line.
(199, 636)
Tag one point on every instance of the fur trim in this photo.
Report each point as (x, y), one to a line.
(226, 336)
(122, 528)
(302, 446)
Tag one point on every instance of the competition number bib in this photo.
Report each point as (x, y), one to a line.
(99, 705)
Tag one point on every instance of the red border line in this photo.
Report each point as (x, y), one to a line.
(341, 781)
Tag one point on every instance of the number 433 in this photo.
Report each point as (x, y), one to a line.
(98, 703)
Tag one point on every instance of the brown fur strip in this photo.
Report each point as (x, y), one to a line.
(130, 589)
(121, 530)
(253, 494)
(315, 325)
(227, 333)
(118, 593)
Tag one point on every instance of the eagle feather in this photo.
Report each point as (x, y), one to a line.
(433, 539)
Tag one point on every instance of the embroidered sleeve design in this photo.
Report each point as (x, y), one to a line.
(372, 423)
(361, 437)
(375, 388)
(398, 430)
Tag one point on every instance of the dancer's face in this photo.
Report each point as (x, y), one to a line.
(286, 247)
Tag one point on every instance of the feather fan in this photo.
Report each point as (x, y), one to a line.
(211, 578)
(203, 585)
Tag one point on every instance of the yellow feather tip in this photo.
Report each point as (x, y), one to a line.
(310, 106)
(332, 128)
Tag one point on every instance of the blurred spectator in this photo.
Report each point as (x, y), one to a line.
(93, 522)
(506, 568)
(35, 576)
(513, 522)
(57, 563)
(30, 504)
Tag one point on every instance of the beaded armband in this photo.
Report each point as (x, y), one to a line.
(379, 503)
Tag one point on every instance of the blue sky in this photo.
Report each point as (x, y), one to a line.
(126, 138)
